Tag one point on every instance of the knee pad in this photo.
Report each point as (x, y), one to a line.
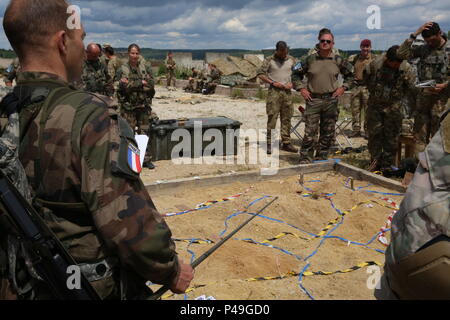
(424, 275)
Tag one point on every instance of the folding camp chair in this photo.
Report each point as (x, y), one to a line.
(341, 126)
(300, 119)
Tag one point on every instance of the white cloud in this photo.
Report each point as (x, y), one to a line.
(233, 25)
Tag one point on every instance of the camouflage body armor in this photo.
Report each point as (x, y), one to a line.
(418, 258)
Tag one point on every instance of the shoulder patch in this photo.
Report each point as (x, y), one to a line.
(445, 131)
(134, 158)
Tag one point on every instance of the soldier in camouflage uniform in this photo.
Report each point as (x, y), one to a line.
(318, 82)
(136, 91)
(95, 76)
(113, 63)
(170, 66)
(388, 79)
(418, 257)
(213, 80)
(75, 150)
(277, 72)
(434, 64)
(12, 72)
(360, 94)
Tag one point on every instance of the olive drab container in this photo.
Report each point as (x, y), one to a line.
(194, 138)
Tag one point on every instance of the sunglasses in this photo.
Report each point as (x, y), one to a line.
(327, 41)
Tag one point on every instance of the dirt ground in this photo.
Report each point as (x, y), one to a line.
(223, 275)
(250, 112)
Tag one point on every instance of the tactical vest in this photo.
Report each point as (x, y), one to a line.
(435, 66)
(135, 95)
(95, 77)
(388, 85)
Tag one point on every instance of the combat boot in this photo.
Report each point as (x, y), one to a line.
(149, 165)
(289, 148)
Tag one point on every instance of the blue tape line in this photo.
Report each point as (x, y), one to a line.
(385, 193)
(300, 281)
(271, 246)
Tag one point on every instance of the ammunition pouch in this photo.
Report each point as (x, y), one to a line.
(424, 275)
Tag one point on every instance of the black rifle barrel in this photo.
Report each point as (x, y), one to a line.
(158, 294)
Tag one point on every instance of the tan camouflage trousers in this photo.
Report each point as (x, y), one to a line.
(360, 96)
(279, 104)
(320, 118)
(426, 122)
(170, 78)
(384, 128)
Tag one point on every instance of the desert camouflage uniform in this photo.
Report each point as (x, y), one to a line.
(95, 78)
(424, 214)
(279, 102)
(170, 65)
(387, 89)
(74, 152)
(434, 64)
(322, 112)
(360, 94)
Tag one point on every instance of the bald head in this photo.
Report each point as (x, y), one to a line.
(92, 52)
(30, 23)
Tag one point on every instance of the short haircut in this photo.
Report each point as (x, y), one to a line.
(432, 31)
(31, 22)
(109, 50)
(324, 31)
(134, 45)
(391, 54)
(281, 45)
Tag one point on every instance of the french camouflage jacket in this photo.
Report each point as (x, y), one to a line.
(95, 78)
(75, 154)
(386, 85)
(134, 94)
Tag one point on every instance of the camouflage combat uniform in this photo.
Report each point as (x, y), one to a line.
(95, 78)
(424, 217)
(213, 79)
(387, 88)
(170, 65)
(434, 64)
(321, 77)
(74, 148)
(136, 99)
(360, 94)
(279, 101)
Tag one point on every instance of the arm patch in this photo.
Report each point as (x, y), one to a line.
(126, 162)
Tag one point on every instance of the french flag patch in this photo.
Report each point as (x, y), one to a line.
(134, 158)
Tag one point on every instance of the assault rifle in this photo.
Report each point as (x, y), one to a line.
(44, 251)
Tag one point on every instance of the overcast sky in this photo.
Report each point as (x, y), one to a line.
(253, 24)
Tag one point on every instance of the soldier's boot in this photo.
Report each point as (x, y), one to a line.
(322, 155)
(149, 165)
(306, 157)
(288, 147)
